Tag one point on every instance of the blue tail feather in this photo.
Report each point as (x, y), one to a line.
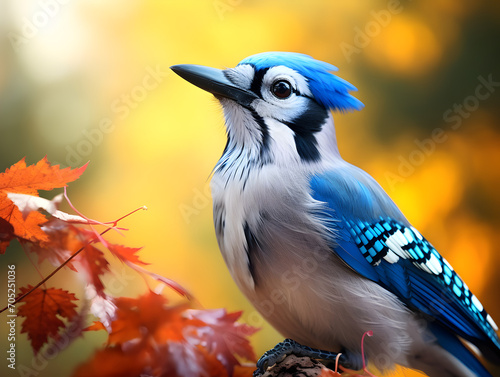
(453, 345)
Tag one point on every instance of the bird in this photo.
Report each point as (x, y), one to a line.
(316, 244)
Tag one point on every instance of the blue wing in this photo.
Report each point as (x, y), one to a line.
(372, 236)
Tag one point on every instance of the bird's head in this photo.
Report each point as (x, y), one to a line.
(277, 106)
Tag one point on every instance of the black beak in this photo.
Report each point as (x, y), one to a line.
(214, 81)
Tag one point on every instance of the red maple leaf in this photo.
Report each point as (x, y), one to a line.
(159, 323)
(223, 336)
(126, 254)
(22, 179)
(64, 240)
(43, 310)
(172, 341)
(92, 263)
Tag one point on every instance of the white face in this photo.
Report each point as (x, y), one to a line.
(283, 125)
(271, 88)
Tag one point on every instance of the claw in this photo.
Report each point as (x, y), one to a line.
(289, 346)
(275, 355)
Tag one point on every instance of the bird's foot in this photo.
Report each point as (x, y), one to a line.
(289, 346)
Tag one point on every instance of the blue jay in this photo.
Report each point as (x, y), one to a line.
(316, 244)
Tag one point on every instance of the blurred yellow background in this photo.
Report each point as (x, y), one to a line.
(90, 81)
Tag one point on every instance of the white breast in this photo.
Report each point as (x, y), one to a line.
(269, 190)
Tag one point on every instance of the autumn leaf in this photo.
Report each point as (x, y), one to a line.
(28, 203)
(42, 176)
(210, 364)
(159, 322)
(43, 310)
(61, 243)
(92, 263)
(28, 180)
(6, 234)
(25, 227)
(113, 362)
(223, 336)
(173, 341)
(95, 326)
(126, 254)
(103, 307)
(147, 335)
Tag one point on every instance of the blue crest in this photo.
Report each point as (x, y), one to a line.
(329, 90)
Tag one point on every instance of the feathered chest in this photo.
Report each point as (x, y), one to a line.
(257, 210)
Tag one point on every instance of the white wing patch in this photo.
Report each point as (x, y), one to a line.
(417, 233)
(476, 303)
(492, 322)
(391, 257)
(395, 243)
(434, 265)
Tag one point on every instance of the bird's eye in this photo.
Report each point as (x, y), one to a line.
(281, 89)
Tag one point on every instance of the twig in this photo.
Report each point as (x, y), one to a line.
(70, 258)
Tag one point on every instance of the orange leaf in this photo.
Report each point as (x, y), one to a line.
(113, 362)
(23, 179)
(95, 326)
(162, 340)
(25, 227)
(146, 316)
(42, 309)
(126, 254)
(42, 176)
(212, 366)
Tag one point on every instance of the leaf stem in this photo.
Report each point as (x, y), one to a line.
(70, 258)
